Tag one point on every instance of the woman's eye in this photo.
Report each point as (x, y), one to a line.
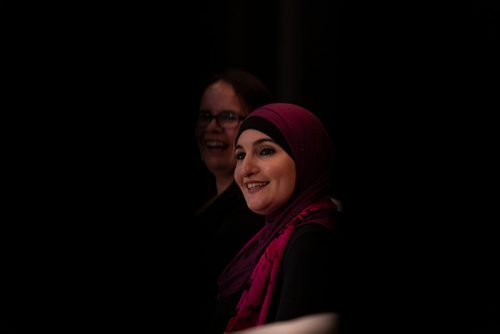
(267, 151)
(205, 116)
(240, 155)
(228, 116)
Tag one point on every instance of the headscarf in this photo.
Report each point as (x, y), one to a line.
(302, 135)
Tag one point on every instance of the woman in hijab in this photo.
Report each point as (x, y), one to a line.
(291, 267)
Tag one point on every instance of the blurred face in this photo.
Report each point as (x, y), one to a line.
(216, 136)
(264, 172)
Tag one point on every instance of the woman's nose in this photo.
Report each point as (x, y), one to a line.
(247, 166)
(213, 124)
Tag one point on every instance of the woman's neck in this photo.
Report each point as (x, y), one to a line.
(223, 182)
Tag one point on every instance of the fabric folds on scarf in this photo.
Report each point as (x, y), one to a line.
(254, 303)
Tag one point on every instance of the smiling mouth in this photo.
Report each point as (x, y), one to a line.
(215, 144)
(256, 185)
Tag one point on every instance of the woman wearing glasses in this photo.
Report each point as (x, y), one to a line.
(223, 221)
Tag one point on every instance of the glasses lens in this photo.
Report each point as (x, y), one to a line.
(225, 119)
(204, 118)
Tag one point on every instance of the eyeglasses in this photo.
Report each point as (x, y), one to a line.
(226, 119)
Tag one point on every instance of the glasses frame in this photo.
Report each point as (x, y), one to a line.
(208, 117)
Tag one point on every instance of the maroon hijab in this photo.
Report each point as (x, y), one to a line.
(305, 139)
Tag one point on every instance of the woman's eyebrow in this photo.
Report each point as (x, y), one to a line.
(259, 141)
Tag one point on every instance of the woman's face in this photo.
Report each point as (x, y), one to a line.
(264, 172)
(216, 140)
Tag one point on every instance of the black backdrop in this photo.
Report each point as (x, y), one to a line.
(101, 103)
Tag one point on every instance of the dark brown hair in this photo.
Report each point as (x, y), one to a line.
(250, 90)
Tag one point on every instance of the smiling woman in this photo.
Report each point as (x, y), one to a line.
(228, 98)
(292, 267)
(223, 222)
(264, 171)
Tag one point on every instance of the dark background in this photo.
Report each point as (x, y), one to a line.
(100, 101)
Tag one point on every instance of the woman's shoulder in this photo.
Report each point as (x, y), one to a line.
(311, 233)
(315, 238)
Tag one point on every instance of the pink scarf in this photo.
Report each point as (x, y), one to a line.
(254, 303)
